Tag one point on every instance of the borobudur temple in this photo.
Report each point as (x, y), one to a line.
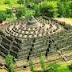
(28, 38)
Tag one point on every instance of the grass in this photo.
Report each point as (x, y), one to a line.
(3, 70)
(59, 69)
(63, 69)
(69, 19)
(66, 20)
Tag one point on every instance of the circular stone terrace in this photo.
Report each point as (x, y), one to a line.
(34, 38)
(32, 28)
(28, 38)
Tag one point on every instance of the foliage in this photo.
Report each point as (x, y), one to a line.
(67, 9)
(31, 66)
(63, 69)
(9, 62)
(9, 59)
(7, 1)
(27, 2)
(37, 1)
(70, 67)
(42, 63)
(2, 16)
(9, 13)
(45, 9)
(20, 12)
(63, 8)
(70, 4)
(60, 8)
(20, 1)
(37, 10)
(2, 1)
(50, 8)
(10, 2)
(28, 14)
(23, 11)
(53, 67)
(11, 68)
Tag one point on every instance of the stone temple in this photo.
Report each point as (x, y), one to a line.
(28, 38)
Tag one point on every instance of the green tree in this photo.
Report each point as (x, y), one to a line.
(63, 8)
(28, 14)
(37, 10)
(2, 16)
(9, 62)
(60, 8)
(47, 9)
(70, 8)
(19, 14)
(9, 13)
(20, 1)
(7, 1)
(66, 9)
